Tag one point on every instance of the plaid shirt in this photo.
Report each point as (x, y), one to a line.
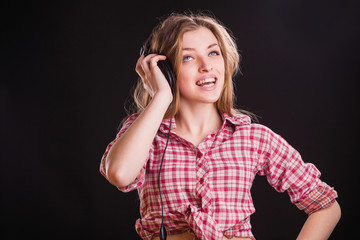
(206, 188)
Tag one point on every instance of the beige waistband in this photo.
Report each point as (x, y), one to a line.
(188, 235)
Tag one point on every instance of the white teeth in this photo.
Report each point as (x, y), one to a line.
(205, 81)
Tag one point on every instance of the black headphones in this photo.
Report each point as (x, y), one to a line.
(167, 70)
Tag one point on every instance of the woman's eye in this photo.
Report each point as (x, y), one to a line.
(213, 53)
(187, 58)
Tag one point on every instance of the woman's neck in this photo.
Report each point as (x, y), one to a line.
(195, 122)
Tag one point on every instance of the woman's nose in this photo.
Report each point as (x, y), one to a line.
(205, 66)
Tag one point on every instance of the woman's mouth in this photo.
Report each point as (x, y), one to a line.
(207, 82)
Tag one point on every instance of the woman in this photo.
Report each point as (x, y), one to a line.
(214, 150)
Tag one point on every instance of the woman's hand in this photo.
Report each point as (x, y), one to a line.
(153, 79)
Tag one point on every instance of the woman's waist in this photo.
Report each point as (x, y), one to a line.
(178, 225)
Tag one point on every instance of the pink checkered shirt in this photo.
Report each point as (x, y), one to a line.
(206, 189)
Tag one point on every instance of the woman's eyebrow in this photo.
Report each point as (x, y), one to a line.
(193, 49)
(212, 45)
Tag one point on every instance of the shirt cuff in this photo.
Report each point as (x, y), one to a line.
(139, 180)
(321, 197)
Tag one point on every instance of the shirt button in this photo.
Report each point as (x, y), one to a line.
(201, 181)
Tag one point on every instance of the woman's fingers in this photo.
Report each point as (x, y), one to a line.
(155, 59)
(150, 73)
(148, 63)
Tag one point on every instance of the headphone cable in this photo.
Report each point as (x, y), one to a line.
(162, 232)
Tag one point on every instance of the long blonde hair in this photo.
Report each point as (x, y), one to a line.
(166, 38)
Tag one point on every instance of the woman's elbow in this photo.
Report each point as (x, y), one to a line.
(337, 210)
(331, 213)
(118, 176)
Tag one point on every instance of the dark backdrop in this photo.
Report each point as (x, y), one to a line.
(68, 67)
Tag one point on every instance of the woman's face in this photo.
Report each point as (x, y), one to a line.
(202, 71)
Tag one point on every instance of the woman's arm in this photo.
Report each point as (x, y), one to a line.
(286, 171)
(129, 153)
(320, 224)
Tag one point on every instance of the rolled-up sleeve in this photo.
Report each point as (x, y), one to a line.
(286, 171)
(141, 176)
(321, 197)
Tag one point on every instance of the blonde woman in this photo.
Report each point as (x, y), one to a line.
(214, 150)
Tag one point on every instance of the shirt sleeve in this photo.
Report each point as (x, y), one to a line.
(286, 171)
(321, 197)
(141, 176)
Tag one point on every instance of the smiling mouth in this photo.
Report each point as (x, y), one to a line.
(207, 82)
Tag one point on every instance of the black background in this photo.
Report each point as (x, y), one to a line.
(67, 69)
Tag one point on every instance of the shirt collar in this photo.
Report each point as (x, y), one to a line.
(236, 119)
(164, 127)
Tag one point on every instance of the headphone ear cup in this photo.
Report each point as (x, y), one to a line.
(169, 74)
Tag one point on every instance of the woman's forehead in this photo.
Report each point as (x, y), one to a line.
(199, 38)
